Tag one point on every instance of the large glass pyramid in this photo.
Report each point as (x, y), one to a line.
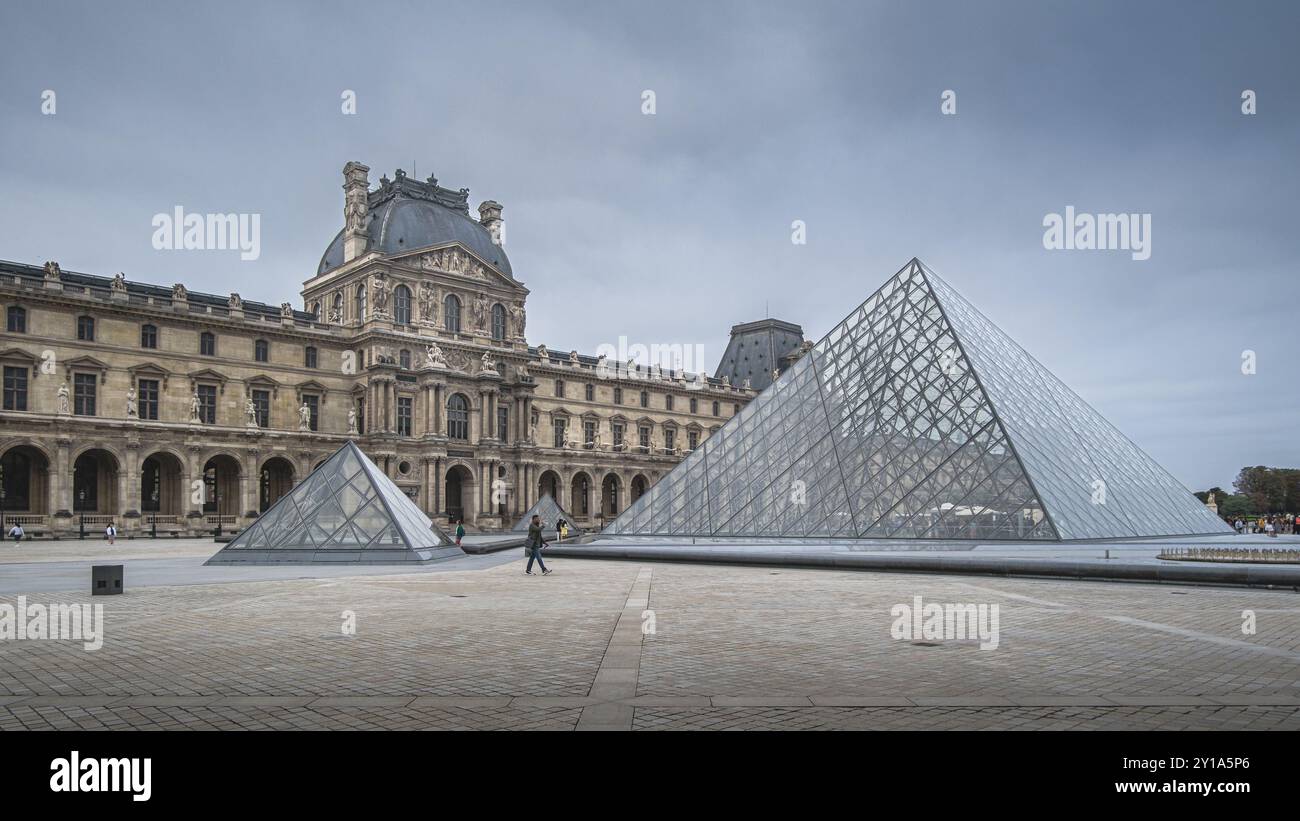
(551, 513)
(917, 418)
(346, 510)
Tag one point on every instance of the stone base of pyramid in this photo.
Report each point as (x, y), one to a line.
(387, 557)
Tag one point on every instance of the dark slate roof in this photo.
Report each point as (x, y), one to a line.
(755, 349)
(406, 214)
(142, 290)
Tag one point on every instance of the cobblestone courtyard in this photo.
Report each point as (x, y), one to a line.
(732, 648)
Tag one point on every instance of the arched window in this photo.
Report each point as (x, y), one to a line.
(458, 417)
(261, 350)
(338, 306)
(402, 305)
(404, 359)
(451, 313)
(361, 303)
(207, 344)
(315, 311)
(498, 322)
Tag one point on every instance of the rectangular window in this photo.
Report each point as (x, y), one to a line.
(404, 415)
(668, 401)
(589, 432)
(644, 434)
(560, 426)
(15, 389)
(591, 393)
(670, 438)
(17, 320)
(618, 396)
(695, 405)
(503, 424)
(147, 394)
(148, 336)
(645, 399)
(311, 356)
(261, 350)
(559, 388)
(715, 409)
(262, 404)
(83, 393)
(618, 434)
(86, 328)
(207, 404)
(735, 409)
(207, 344)
(692, 439)
(313, 404)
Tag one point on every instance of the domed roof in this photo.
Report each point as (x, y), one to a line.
(406, 214)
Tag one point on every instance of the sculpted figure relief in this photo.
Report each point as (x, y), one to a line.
(517, 319)
(304, 416)
(379, 294)
(480, 311)
(250, 410)
(235, 301)
(131, 407)
(489, 366)
(194, 407)
(543, 354)
(63, 398)
(352, 420)
(119, 282)
(433, 356)
(428, 302)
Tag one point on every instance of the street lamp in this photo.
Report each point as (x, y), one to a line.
(216, 501)
(81, 520)
(153, 520)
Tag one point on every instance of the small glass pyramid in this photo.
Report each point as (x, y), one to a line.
(550, 511)
(346, 510)
(917, 418)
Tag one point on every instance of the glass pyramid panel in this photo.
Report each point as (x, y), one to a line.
(550, 511)
(916, 418)
(345, 503)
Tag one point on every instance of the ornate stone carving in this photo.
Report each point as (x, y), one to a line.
(250, 411)
(543, 355)
(63, 394)
(53, 272)
(433, 356)
(480, 311)
(118, 285)
(352, 420)
(428, 302)
(304, 416)
(517, 320)
(235, 302)
(132, 408)
(488, 365)
(573, 359)
(379, 293)
(179, 292)
(194, 408)
(286, 310)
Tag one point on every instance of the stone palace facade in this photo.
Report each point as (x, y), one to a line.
(171, 411)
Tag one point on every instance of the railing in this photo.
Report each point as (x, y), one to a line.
(98, 518)
(25, 519)
(224, 519)
(161, 519)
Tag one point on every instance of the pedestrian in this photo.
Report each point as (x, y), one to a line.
(1239, 525)
(562, 529)
(1268, 528)
(533, 546)
(110, 533)
(16, 533)
(460, 531)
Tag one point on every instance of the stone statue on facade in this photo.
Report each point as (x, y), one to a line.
(521, 371)
(488, 366)
(543, 355)
(179, 292)
(250, 410)
(532, 430)
(53, 272)
(132, 409)
(352, 420)
(286, 310)
(573, 359)
(428, 302)
(433, 356)
(480, 311)
(235, 302)
(517, 319)
(64, 409)
(379, 295)
(304, 416)
(119, 283)
(746, 385)
(194, 407)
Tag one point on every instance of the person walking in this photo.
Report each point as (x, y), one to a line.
(533, 547)
(460, 531)
(110, 533)
(17, 533)
(1268, 528)
(561, 529)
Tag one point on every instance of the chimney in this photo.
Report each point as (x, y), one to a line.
(489, 216)
(356, 209)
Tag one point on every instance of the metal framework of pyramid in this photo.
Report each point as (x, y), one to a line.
(550, 511)
(917, 418)
(346, 510)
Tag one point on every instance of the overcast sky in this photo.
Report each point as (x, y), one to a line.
(672, 227)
